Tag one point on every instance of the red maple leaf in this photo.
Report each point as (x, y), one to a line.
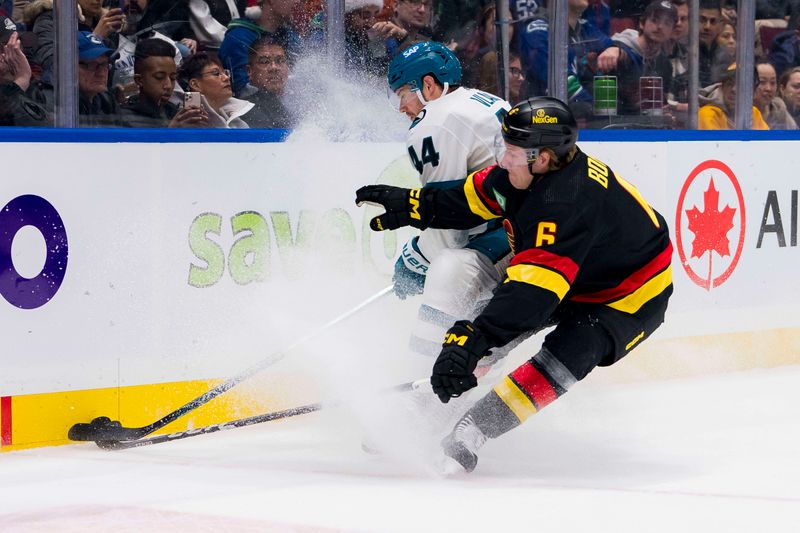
(710, 227)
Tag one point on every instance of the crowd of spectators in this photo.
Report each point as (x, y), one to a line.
(228, 63)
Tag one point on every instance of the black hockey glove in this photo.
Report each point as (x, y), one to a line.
(404, 207)
(453, 371)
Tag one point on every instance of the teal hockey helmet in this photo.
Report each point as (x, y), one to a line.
(418, 60)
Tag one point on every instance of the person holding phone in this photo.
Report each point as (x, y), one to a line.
(155, 74)
(204, 74)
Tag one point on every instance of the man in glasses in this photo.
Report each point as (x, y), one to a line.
(97, 107)
(275, 20)
(268, 68)
(590, 257)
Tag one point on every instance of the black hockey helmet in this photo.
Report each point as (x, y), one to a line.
(541, 122)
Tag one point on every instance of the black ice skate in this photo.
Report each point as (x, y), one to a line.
(460, 447)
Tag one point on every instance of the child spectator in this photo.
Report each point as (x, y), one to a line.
(765, 98)
(268, 68)
(205, 74)
(718, 103)
(155, 73)
(21, 103)
(790, 92)
(96, 104)
(274, 20)
(643, 54)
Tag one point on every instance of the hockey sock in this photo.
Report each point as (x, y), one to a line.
(528, 389)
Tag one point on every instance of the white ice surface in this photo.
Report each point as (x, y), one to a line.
(711, 454)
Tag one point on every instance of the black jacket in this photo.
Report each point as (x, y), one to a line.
(269, 112)
(142, 113)
(22, 108)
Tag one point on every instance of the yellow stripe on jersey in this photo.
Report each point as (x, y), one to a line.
(476, 205)
(642, 295)
(541, 277)
(633, 191)
(515, 399)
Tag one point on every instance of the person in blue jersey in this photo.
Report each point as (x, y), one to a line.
(591, 257)
(586, 42)
(454, 131)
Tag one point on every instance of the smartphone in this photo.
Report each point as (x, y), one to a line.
(191, 99)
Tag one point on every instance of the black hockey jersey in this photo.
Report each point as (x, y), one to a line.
(579, 234)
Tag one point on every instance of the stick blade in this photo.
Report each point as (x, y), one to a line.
(102, 429)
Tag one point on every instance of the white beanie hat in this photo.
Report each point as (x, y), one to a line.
(352, 5)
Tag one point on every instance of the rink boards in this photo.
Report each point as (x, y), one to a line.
(136, 275)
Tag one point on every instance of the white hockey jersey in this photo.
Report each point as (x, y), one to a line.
(452, 137)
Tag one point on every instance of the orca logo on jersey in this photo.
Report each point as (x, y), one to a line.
(542, 118)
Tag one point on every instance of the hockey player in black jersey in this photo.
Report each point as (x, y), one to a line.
(590, 257)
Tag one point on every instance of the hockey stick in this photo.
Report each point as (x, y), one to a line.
(104, 429)
(242, 422)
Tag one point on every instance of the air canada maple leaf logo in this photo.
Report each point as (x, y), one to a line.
(712, 226)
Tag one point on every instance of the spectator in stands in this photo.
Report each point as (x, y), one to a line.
(728, 10)
(206, 75)
(718, 103)
(21, 103)
(773, 109)
(516, 77)
(359, 18)
(710, 18)
(92, 17)
(790, 92)
(268, 68)
(482, 41)
(599, 14)
(585, 43)
(274, 20)
(643, 54)
(96, 104)
(155, 73)
(411, 22)
(785, 51)
(725, 52)
(678, 91)
(171, 18)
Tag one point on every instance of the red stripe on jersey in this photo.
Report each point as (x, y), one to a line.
(631, 283)
(563, 265)
(5, 421)
(534, 385)
(478, 178)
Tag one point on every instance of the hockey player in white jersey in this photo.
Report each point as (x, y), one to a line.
(454, 131)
